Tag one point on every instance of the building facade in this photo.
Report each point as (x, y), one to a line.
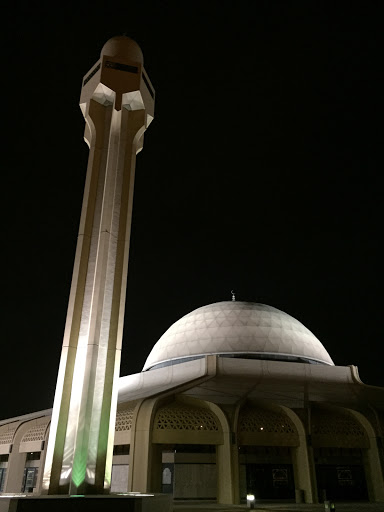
(234, 398)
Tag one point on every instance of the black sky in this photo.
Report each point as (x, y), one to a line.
(261, 173)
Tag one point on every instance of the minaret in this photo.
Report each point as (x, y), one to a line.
(117, 101)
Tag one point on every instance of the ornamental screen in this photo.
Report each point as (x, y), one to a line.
(337, 428)
(124, 419)
(264, 426)
(260, 420)
(35, 434)
(179, 416)
(6, 434)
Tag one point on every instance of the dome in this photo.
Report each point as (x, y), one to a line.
(237, 329)
(123, 46)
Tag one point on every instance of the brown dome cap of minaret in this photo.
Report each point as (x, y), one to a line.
(123, 46)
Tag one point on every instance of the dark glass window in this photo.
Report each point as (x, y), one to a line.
(93, 72)
(3, 473)
(29, 479)
(33, 456)
(195, 448)
(121, 67)
(121, 449)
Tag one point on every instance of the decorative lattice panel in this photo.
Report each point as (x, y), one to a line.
(330, 428)
(6, 437)
(124, 419)
(179, 416)
(264, 421)
(36, 433)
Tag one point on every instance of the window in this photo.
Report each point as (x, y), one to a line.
(3, 473)
(121, 449)
(121, 67)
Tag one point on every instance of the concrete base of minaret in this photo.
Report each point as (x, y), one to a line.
(128, 502)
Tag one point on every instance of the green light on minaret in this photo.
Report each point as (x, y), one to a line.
(79, 467)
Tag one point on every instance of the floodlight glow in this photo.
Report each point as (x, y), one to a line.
(250, 497)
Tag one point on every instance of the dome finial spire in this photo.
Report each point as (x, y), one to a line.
(233, 295)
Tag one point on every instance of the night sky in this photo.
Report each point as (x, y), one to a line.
(260, 173)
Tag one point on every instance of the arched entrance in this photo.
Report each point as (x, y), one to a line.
(266, 436)
(185, 437)
(338, 443)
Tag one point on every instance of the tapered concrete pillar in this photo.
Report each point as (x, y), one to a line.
(304, 471)
(141, 476)
(371, 458)
(16, 462)
(303, 461)
(117, 101)
(227, 464)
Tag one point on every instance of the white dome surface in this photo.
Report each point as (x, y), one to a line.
(237, 328)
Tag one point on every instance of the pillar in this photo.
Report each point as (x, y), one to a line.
(371, 460)
(16, 461)
(141, 476)
(303, 461)
(227, 463)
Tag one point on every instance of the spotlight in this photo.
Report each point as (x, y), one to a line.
(250, 501)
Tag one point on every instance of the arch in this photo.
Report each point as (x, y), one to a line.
(342, 448)
(372, 460)
(187, 422)
(227, 467)
(336, 427)
(17, 458)
(33, 439)
(7, 434)
(183, 420)
(140, 474)
(267, 437)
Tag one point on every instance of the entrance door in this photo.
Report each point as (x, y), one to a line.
(342, 482)
(270, 481)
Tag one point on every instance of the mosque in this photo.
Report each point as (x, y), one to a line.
(235, 398)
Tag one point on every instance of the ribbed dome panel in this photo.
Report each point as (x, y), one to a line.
(237, 328)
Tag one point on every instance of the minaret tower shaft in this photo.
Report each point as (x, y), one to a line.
(117, 101)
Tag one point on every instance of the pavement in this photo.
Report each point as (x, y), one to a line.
(200, 506)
